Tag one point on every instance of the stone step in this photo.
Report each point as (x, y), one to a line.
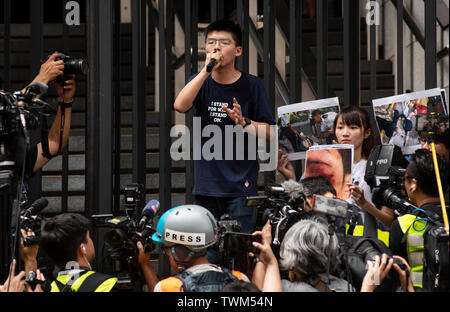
(77, 163)
(76, 204)
(52, 184)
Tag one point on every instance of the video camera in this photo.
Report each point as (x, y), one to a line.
(285, 207)
(384, 174)
(31, 220)
(233, 246)
(125, 231)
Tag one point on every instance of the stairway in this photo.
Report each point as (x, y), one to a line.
(385, 80)
(51, 173)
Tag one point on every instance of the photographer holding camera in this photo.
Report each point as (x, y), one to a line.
(66, 239)
(18, 159)
(407, 232)
(54, 143)
(186, 233)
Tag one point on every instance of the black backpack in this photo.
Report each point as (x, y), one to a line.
(208, 281)
(435, 260)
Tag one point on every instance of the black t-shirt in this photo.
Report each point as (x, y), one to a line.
(230, 175)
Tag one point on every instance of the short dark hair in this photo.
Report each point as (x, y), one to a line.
(62, 235)
(421, 167)
(353, 115)
(317, 185)
(227, 26)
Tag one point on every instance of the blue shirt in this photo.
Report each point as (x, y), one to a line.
(220, 177)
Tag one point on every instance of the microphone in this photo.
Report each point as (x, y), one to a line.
(211, 64)
(36, 207)
(150, 210)
(38, 88)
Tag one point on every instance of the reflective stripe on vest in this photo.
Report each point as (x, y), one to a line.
(174, 284)
(106, 286)
(359, 231)
(414, 246)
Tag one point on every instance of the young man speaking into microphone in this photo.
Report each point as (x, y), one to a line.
(224, 96)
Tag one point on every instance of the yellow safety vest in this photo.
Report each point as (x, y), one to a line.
(359, 231)
(414, 245)
(106, 286)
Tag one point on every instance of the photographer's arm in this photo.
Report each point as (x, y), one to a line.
(66, 94)
(49, 71)
(271, 277)
(28, 254)
(385, 215)
(147, 270)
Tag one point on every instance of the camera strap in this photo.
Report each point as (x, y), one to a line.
(44, 139)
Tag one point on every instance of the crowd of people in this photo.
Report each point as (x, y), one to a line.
(309, 258)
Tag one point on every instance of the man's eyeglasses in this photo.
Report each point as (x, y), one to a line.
(222, 42)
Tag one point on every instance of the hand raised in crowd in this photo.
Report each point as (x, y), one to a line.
(14, 283)
(267, 274)
(285, 166)
(376, 273)
(236, 113)
(66, 91)
(143, 257)
(405, 278)
(357, 194)
(28, 253)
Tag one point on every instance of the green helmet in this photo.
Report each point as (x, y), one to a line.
(191, 226)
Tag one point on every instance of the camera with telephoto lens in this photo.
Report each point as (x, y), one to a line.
(384, 174)
(121, 238)
(72, 66)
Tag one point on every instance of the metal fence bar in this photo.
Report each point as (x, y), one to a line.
(243, 21)
(430, 45)
(7, 46)
(138, 17)
(105, 113)
(164, 110)
(117, 112)
(269, 65)
(351, 53)
(37, 49)
(373, 60)
(191, 64)
(400, 82)
(322, 48)
(295, 53)
(65, 156)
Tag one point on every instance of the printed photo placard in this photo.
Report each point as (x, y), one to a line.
(402, 118)
(304, 125)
